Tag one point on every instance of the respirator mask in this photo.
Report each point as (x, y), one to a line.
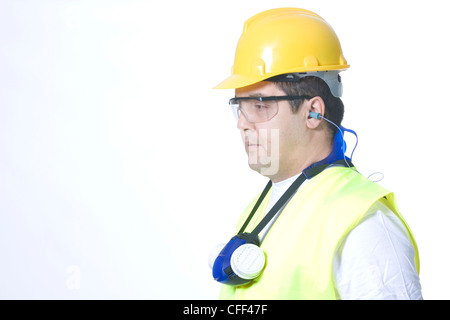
(239, 261)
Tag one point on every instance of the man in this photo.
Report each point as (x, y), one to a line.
(319, 230)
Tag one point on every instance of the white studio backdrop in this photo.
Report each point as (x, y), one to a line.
(121, 167)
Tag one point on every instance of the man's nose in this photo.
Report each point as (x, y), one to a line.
(243, 123)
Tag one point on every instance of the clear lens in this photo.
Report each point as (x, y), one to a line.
(254, 110)
(235, 110)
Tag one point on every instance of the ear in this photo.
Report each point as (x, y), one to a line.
(316, 105)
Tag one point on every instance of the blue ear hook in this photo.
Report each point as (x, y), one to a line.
(339, 144)
(339, 138)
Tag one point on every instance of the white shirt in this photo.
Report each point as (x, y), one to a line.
(375, 261)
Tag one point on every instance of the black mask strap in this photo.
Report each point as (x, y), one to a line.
(306, 174)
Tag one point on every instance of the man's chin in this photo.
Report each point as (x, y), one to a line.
(266, 170)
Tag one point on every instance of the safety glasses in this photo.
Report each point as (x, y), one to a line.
(259, 109)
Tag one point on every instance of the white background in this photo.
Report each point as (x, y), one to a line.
(120, 167)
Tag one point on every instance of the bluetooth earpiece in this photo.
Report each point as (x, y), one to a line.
(315, 115)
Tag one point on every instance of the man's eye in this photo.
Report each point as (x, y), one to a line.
(260, 106)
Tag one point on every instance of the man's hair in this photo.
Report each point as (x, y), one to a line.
(314, 86)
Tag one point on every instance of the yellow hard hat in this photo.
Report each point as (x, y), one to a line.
(281, 41)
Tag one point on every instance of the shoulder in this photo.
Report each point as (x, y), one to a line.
(376, 259)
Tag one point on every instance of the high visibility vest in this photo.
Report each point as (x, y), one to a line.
(301, 244)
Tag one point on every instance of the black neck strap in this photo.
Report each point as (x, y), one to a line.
(306, 174)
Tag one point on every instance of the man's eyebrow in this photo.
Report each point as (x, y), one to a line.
(254, 95)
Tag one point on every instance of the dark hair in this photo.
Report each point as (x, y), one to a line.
(314, 86)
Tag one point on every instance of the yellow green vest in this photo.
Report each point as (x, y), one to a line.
(301, 244)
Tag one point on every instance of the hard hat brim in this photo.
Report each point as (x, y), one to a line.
(238, 81)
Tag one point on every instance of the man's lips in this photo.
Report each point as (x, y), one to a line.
(249, 145)
(252, 142)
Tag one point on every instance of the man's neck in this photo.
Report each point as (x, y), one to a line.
(296, 166)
